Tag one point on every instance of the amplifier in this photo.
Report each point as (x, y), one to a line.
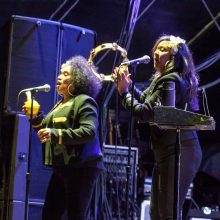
(115, 160)
(204, 213)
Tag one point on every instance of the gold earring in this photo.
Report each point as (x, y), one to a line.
(68, 89)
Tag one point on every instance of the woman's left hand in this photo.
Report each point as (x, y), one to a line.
(44, 135)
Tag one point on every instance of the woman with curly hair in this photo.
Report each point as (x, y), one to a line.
(69, 134)
(172, 63)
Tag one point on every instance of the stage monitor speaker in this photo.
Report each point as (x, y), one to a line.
(145, 207)
(37, 48)
(15, 133)
(204, 213)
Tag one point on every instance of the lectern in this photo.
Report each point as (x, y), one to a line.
(166, 117)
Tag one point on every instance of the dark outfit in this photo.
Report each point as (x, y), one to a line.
(74, 154)
(163, 145)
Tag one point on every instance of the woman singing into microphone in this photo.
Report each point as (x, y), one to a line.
(69, 134)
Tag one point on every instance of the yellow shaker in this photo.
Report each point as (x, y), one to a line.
(27, 104)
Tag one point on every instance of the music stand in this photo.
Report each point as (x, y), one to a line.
(183, 120)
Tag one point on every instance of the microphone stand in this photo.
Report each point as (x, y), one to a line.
(177, 175)
(128, 167)
(28, 174)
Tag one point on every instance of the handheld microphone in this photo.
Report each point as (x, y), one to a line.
(44, 88)
(145, 59)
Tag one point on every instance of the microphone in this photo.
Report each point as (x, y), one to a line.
(145, 59)
(168, 95)
(44, 88)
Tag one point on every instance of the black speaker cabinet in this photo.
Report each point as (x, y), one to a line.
(15, 132)
(37, 49)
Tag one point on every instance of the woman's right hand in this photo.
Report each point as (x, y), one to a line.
(44, 135)
(26, 108)
(122, 79)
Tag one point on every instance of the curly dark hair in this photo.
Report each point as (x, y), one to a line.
(182, 62)
(83, 79)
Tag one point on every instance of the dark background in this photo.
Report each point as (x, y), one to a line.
(185, 18)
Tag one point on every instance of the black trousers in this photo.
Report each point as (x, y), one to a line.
(162, 191)
(70, 189)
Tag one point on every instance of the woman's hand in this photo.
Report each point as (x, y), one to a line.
(122, 79)
(44, 135)
(26, 108)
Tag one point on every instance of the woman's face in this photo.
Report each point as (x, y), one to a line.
(162, 55)
(64, 80)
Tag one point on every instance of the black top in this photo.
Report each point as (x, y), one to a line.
(145, 101)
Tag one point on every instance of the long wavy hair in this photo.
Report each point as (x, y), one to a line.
(83, 79)
(182, 62)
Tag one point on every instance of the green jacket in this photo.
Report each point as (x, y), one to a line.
(74, 133)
